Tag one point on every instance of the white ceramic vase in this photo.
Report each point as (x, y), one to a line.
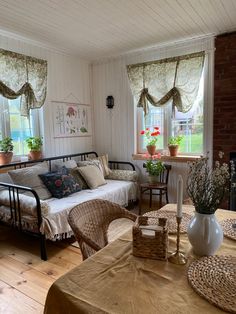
(205, 234)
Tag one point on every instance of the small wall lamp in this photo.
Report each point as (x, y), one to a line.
(110, 102)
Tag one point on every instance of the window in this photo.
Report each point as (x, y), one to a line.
(190, 125)
(14, 125)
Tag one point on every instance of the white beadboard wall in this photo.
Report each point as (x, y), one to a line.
(116, 128)
(68, 80)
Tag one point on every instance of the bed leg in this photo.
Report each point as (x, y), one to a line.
(43, 247)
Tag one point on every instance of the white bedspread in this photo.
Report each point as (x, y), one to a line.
(55, 225)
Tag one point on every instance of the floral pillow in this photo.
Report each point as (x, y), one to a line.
(56, 165)
(126, 175)
(61, 183)
(78, 178)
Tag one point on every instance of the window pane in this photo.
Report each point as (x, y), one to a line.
(15, 121)
(190, 125)
(14, 105)
(14, 125)
(19, 128)
(154, 118)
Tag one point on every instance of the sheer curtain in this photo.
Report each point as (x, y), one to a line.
(24, 76)
(159, 81)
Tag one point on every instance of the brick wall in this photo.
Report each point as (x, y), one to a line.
(224, 131)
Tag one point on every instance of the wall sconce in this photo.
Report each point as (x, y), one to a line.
(110, 102)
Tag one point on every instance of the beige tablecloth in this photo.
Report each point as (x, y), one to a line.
(114, 281)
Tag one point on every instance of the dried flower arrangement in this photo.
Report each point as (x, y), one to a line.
(207, 186)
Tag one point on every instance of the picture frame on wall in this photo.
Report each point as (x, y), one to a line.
(71, 119)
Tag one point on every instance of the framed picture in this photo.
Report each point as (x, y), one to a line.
(71, 119)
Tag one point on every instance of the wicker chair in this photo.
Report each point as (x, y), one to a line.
(90, 221)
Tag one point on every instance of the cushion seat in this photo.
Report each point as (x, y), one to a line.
(55, 225)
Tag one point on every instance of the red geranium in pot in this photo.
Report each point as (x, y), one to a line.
(151, 137)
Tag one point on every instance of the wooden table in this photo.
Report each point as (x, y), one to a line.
(114, 281)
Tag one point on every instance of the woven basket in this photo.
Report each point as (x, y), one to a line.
(154, 246)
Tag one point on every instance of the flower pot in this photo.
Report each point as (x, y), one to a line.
(34, 155)
(5, 158)
(153, 179)
(151, 149)
(173, 149)
(205, 234)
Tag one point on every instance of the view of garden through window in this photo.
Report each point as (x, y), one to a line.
(189, 125)
(14, 125)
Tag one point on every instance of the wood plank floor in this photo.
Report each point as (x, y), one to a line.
(24, 277)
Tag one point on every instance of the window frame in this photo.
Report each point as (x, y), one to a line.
(5, 128)
(208, 77)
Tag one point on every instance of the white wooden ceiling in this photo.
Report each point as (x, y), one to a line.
(95, 29)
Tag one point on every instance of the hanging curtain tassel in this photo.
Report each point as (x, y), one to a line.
(143, 101)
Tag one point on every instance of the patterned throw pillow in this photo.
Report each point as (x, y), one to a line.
(61, 183)
(91, 162)
(78, 178)
(104, 163)
(56, 165)
(126, 175)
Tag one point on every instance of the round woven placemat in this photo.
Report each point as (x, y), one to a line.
(227, 226)
(171, 216)
(214, 278)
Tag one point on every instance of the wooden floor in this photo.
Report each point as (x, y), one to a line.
(24, 277)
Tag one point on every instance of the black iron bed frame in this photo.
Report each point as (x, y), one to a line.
(16, 190)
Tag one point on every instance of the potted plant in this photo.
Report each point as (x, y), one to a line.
(173, 144)
(154, 167)
(34, 144)
(207, 187)
(151, 138)
(6, 148)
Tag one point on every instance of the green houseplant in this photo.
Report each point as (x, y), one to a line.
(35, 144)
(173, 144)
(154, 167)
(6, 150)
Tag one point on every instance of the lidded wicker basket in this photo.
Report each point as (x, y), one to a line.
(150, 241)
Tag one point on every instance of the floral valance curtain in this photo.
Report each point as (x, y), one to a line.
(176, 78)
(23, 76)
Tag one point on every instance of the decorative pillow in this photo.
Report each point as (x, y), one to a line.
(29, 177)
(104, 162)
(78, 178)
(91, 162)
(61, 183)
(58, 164)
(92, 175)
(126, 175)
(27, 203)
